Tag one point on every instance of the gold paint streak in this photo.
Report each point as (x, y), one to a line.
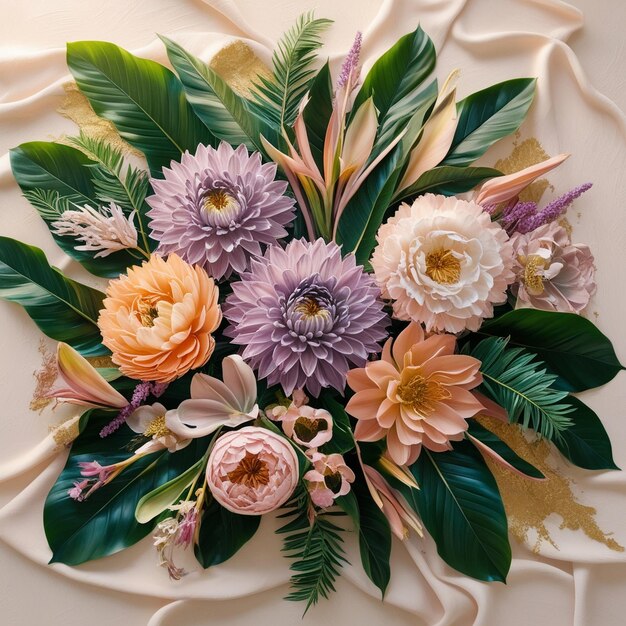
(64, 434)
(238, 65)
(528, 503)
(101, 362)
(45, 377)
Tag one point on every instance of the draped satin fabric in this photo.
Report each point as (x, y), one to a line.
(574, 582)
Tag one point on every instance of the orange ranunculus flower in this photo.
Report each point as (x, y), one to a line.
(158, 319)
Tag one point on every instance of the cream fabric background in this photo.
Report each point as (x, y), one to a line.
(579, 584)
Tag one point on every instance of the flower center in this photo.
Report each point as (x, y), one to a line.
(306, 428)
(443, 267)
(332, 480)
(251, 472)
(147, 312)
(218, 200)
(157, 428)
(422, 395)
(310, 307)
(532, 275)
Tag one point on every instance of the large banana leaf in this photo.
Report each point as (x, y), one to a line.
(105, 522)
(54, 178)
(461, 508)
(144, 100)
(62, 308)
(394, 82)
(227, 115)
(489, 115)
(570, 345)
(318, 111)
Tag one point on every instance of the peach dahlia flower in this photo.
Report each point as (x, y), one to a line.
(158, 319)
(443, 262)
(416, 395)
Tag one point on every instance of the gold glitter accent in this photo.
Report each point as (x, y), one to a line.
(239, 66)
(421, 394)
(528, 152)
(76, 107)
(251, 472)
(45, 377)
(528, 503)
(443, 267)
(101, 362)
(64, 434)
(157, 428)
(566, 224)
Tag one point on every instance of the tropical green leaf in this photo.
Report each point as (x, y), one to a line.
(515, 380)
(460, 506)
(160, 499)
(55, 178)
(226, 114)
(488, 115)
(448, 180)
(277, 98)
(62, 308)
(571, 346)
(222, 534)
(343, 438)
(144, 100)
(318, 111)
(586, 443)
(491, 440)
(105, 522)
(394, 81)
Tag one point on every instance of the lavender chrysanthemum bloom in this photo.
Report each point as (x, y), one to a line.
(305, 316)
(217, 207)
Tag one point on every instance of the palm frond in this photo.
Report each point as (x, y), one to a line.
(316, 546)
(277, 98)
(48, 202)
(520, 383)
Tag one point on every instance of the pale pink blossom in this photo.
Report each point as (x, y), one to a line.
(215, 403)
(150, 420)
(417, 394)
(329, 478)
(443, 262)
(306, 425)
(104, 230)
(552, 273)
(252, 471)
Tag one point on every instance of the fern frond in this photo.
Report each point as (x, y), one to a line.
(520, 383)
(316, 546)
(277, 98)
(48, 202)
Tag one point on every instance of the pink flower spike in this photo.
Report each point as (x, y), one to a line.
(76, 492)
(93, 468)
(504, 188)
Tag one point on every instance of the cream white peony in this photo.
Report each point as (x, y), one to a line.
(443, 262)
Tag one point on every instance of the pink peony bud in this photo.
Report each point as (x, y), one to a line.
(252, 471)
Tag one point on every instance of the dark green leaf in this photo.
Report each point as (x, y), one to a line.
(585, 443)
(62, 308)
(227, 115)
(460, 506)
(55, 178)
(222, 534)
(491, 440)
(318, 111)
(105, 522)
(394, 81)
(144, 100)
(570, 345)
(343, 439)
(489, 115)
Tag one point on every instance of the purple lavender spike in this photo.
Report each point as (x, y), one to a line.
(351, 61)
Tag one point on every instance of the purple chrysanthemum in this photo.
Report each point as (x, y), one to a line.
(215, 208)
(305, 316)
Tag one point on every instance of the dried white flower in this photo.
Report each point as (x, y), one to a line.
(105, 230)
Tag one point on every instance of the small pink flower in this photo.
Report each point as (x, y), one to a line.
(252, 471)
(553, 274)
(76, 492)
(93, 468)
(329, 478)
(307, 426)
(151, 422)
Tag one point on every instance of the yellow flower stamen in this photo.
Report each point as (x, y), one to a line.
(422, 395)
(443, 267)
(532, 275)
(217, 200)
(147, 312)
(310, 307)
(157, 428)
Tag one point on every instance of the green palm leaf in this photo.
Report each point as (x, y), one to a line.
(277, 98)
(316, 548)
(62, 308)
(517, 381)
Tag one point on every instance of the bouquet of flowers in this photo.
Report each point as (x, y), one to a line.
(312, 303)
